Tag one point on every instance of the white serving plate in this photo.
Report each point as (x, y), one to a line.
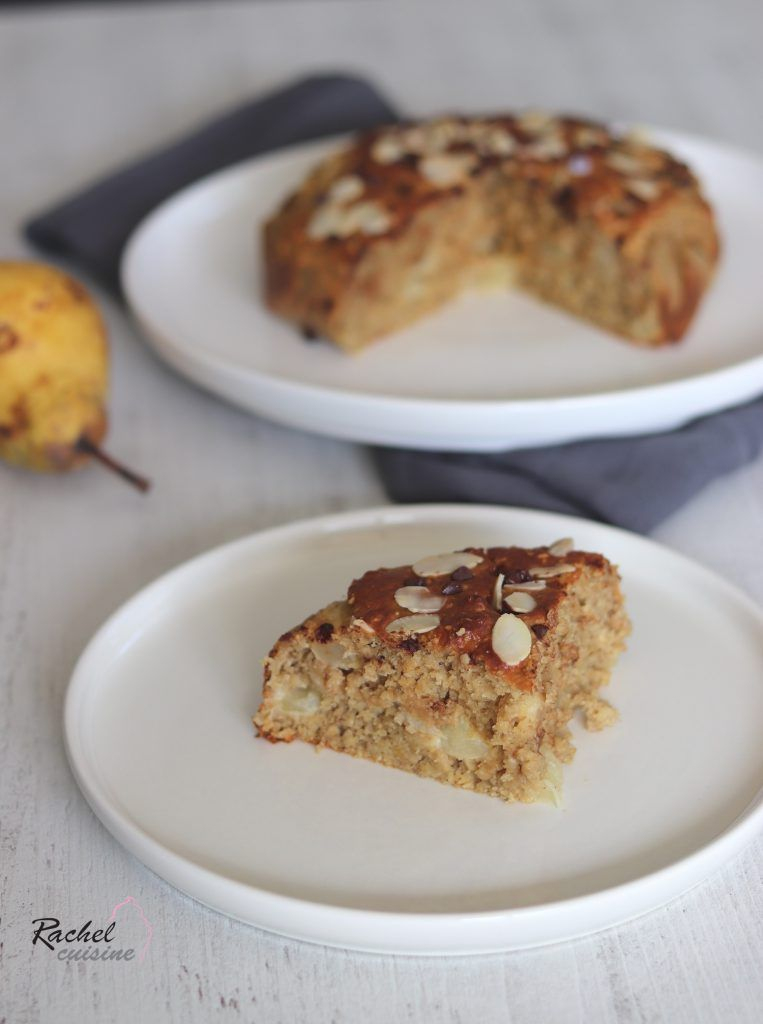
(491, 371)
(322, 847)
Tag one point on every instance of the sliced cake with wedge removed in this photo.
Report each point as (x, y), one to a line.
(464, 667)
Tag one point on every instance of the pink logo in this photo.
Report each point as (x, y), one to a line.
(146, 923)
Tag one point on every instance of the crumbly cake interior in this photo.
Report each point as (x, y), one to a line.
(435, 698)
(603, 225)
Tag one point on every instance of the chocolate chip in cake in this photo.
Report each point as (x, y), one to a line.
(539, 629)
(415, 581)
(566, 202)
(461, 574)
(410, 644)
(451, 588)
(518, 576)
(324, 632)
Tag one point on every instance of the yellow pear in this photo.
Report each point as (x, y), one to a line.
(54, 368)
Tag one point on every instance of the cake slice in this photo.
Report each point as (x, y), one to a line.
(464, 667)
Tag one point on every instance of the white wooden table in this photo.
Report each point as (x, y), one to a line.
(83, 89)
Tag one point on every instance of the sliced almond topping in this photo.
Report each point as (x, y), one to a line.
(388, 149)
(588, 135)
(493, 140)
(419, 599)
(547, 147)
(519, 602)
(562, 547)
(416, 138)
(371, 218)
(537, 121)
(498, 592)
(624, 162)
(547, 571)
(362, 624)
(446, 169)
(368, 217)
(444, 133)
(643, 188)
(530, 585)
(444, 565)
(345, 189)
(414, 624)
(638, 135)
(512, 640)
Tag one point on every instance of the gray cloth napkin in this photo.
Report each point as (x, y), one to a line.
(632, 482)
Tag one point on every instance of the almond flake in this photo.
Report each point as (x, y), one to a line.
(547, 147)
(371, 218)
(511, 639)
(446, 169)
(367, 217)
(624, 162)
(561, 547)
(498, 592)
(362, 624)
(442, 134)
(586, 136)
(547, 571)
(419, 599)
(414, 624)
(519, 602)
(345, 189)
(537, 121)
(388, 149)
(444, 565)
(529, 585)
(494, 140)
(415, 139)
(643, 188)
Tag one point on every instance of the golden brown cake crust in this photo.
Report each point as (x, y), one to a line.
(523, 187)
(470, 608)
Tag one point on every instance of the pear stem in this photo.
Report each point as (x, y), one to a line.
(88, 447)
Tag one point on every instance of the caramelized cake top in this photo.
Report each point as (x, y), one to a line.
(375, 185)
(490, 604)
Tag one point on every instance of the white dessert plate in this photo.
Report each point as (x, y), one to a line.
(323, 847)
(490, 371)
